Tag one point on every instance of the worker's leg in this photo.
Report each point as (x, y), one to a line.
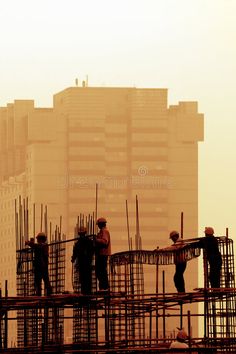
(101, 272)
(47, 284)
(85, 277)
(179, 277)
(38, 282)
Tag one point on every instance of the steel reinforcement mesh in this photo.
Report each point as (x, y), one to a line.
(220, 320)
(125, 316)
(35, 325)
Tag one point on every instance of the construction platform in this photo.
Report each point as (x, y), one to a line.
(126, 319)
(108, 311)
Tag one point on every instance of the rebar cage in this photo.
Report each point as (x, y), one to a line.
(126, 316)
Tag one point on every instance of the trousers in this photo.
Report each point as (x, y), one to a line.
(85, 277)
(101, 271)
(215, 263)
(179, 277)
(39, 275)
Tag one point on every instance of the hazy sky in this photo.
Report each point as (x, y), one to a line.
(187, 46)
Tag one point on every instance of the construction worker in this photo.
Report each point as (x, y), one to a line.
(82, 256)
(179, 343)
(102, 251)
(40, 263)
(180, 262)
(213, 256)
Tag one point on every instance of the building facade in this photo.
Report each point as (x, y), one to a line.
(128, 141)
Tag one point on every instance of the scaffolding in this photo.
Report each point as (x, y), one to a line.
(33, 323)
(220, 321)
(115, 321)
(30, 320)
(126, 319)
(85, 328)
(106, 341)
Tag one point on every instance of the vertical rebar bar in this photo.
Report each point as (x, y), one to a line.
(1, 315)
(127, 224)
(27, 218)
(96, 201)
(6, 318)
(16, 225)
(157, 290)
(46, 220)
(181, 314)
(164, 309)
(189, 328)
(182, 225)
(34, 211)
(25, 322)
(41, 218)
(150, 327)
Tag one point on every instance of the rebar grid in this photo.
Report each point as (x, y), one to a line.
(103, 304)
(124, 321)
(30, 320)
(220, 312)
(85, 327)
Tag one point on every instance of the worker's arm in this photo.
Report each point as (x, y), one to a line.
(175, 246)
(73, 257)
(30, 243)
(104, 240)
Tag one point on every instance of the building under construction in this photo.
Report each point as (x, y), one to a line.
(127, 319)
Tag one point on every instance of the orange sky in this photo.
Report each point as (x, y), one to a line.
(186, 46)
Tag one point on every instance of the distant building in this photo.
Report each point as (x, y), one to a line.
(125, 139)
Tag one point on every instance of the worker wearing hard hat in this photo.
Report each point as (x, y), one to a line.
(40, 263)
(82, 257)
(180, 262)
(213, 256)
(102, 252)
(179, 343)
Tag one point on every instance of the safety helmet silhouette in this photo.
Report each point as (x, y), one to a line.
(82, 230)
(182, 335)
(41, 236)
(174, 233)
(209, 230)
(101, 220)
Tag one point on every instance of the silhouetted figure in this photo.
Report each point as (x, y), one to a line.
(40, 263)
(102, 251)
(180, 262)
(180, 341)
(213, 256)
(82, 257)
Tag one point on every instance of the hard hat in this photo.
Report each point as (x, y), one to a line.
(41, 235)
(173, 233)
(101, 220)
(209, 230)
(82, 229)
(182, 335)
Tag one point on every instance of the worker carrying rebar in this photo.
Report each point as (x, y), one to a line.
(82, 257)
(102, 243)
(213, 256)
(179, 343)
(180, 262)
(40, 263)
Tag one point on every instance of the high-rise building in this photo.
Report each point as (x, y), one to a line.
(128, 141)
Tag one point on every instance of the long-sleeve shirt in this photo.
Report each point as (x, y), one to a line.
(179, 255)
(210, 244)
(83, 251)
(103, 242)
(40, 254)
